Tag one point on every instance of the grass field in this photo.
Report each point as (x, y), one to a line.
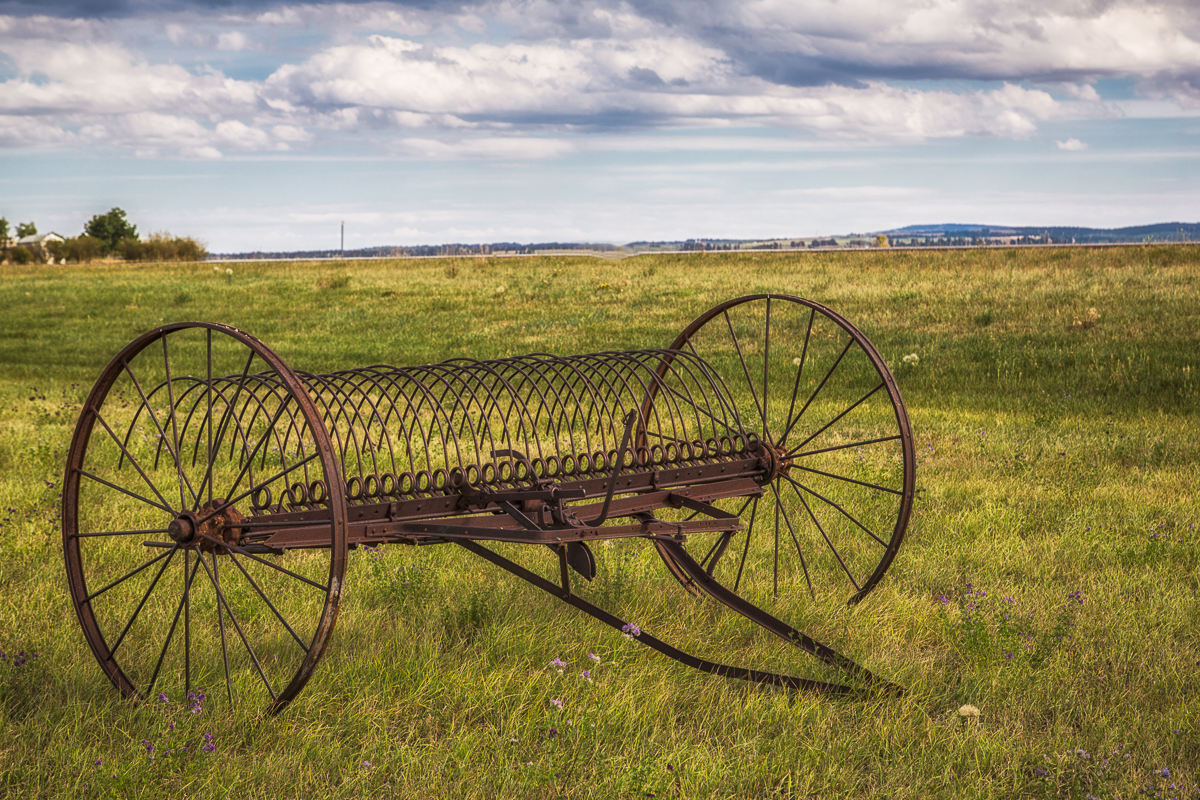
(1048, 579)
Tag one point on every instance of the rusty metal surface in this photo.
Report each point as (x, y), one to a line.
(212, 492)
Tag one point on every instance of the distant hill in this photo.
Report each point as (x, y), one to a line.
(1054, 234)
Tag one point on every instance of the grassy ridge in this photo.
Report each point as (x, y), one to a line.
(1048, 578)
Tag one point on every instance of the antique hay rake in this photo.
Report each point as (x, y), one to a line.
(212, 492)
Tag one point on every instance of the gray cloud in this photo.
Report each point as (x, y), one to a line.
(833, 68)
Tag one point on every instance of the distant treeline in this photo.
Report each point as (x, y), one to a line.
(912, 236)
(104, 236)
(156, 247)
(428, 251)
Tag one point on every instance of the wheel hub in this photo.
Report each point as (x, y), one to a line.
(203, 526)
(774, 460)
(183, 529)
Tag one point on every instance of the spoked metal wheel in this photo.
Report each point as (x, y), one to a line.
(195, 437)
(818, 404)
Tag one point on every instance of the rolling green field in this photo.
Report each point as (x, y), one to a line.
(1048, 579)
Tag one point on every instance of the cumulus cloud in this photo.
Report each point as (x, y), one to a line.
(604, 83)
(233, 40)
(1071, 144)
(445, 80)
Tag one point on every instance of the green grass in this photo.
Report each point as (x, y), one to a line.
(1059, 452)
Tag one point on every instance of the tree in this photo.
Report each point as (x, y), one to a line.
(3, 231)
(78, 249)
(26, 229)
(882, 240)
(111, 229)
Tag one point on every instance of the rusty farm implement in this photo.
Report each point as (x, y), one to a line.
(212, 492)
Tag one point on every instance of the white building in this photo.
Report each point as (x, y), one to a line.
(39, 240)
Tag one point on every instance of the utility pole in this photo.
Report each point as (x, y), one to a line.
(343, 237)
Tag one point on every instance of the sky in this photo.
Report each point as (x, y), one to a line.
(256, 125)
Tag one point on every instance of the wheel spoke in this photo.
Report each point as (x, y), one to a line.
(862, 443)
(117, 533)
(208, 421)
(853, 406)
(224, 422)
(187, 624)
(736, 416)
(274, 610)
(175, 426)
(829, 502)
(124, 577)
(775, 566)
(795, 541)
(231, 501)
(249, 461)
(695, 407)
(875, 486)
(812, 314)
(242, 551)
(132, 460)
(745, 369)
(238, 629)
(174, 623)
(216, 582)
(112, 651)
(825, 536)
(154, 418)
(134, 495)
(746, 549)
(816, 392)
(766, 363)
